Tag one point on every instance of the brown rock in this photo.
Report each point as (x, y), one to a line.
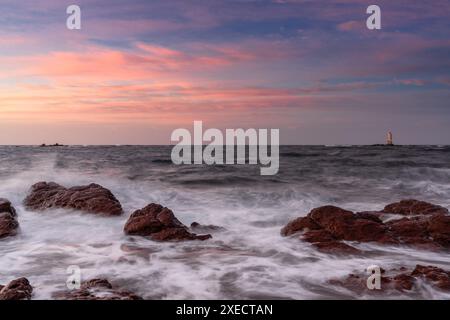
(18, 289)
(97, 289)
(92, 198)
(5, 206)
(336, 247)
(409, 227)
(414, 207)
(160, 224)
(345, 225)
(299, 224)
(315, 236)
(8, 221)
(326, 226)
(437, 276)
(439, 229)
(404, 282)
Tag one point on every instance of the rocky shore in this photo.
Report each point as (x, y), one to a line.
(329, 229)
(97, 289)
(402, 280)
(8, 219)
(408, 222)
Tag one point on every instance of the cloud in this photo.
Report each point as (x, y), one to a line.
(351, 26)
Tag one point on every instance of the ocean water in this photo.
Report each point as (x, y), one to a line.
(250, 260)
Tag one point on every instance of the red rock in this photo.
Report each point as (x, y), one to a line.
(5, 206)
(409, 227)
(404, 282)
(336, 247)
(19, 289)
(326, 226)
(299, 224)
(414, 207)
(315, 236)
(330, 224)
(160, 224)
(358, 284)
(439, 229)
(97, 289)
(345, 225)
(92, 198)
(8, 222)
(439, 277)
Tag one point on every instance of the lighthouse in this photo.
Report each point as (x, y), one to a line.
(389, 140)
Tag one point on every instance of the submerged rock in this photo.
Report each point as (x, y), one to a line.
(436, 276)
(326, 227)
(19, 289)
(392, 281)
(200, 228)
(8, 221)
(92, 198)
(97, 289)
(160, 224)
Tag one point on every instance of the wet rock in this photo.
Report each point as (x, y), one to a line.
(326, 226)
(19, 289)
(414, 207)
(97, 289)
(92, 198)
(439, 229)
(299, 224)
(404, 282)
(199, 228)
(8, 222)
(160, 224)
(336, 247)
(5, 206)
(358, 283)
(437, 276)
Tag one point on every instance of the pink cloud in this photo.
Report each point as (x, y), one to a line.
(351, 26)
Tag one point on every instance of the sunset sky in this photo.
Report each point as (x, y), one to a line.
(139, 69)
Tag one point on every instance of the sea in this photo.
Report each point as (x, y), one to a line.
(249, 259)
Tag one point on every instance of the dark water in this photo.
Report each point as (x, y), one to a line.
(250, 259)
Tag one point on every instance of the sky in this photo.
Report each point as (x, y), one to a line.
(138, 69)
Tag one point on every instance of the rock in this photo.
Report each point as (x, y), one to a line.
(199, 228)
(18, 289)
(326, 226)
(160, 224)
(97, 289)
(439, 229)
(8, 222)
(437, 276)
(92, 198)
(404, 282)
(5, 206)
(358, 283)
(336, 247)
(414, 207)
(299, 224)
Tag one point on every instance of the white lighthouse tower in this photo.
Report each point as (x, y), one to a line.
(389, 140)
